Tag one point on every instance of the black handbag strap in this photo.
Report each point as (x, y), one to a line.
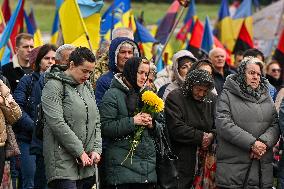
(245, 183)
(259, 174)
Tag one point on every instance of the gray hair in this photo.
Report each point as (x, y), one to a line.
(58, 53)
(212, 52)
(122, 32)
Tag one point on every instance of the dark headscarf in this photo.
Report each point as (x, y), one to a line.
(130, 74)
(197, 77)
(240, 77)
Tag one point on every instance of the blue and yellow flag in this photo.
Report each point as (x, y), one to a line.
(55, 25)
(224, 27)
(119, 14)
(243, 13)
(9, 28)
(32, 28)
(145, 39)
(75, 28)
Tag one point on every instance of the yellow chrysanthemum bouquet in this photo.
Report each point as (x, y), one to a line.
(152, 105)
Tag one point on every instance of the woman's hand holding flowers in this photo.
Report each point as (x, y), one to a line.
(143, 119)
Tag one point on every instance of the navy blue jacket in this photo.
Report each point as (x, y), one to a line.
(25, 97)
(36, 144)
(103, 83)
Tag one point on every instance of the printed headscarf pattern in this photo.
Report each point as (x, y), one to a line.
(240, 78)
(197, 77)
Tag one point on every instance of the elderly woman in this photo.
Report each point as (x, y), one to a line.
(120, 118)
(189, 118)
(71, 134)
(247, 129)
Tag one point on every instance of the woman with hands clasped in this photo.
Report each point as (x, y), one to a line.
(120, 120)
(189, 114)
(247, 129)
(71, 134)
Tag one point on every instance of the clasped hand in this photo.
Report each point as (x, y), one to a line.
(207, 140)
(91, 159)
(258, 149)
(143, 119)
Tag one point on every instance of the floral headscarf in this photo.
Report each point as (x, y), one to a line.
(240, 78)
(197, 77)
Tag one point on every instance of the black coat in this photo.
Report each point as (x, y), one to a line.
(14, 74)
(219, 79)
(186, 120)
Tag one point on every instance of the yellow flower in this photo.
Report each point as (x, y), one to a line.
(150, 98)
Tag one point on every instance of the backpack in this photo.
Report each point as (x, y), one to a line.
(39, 123)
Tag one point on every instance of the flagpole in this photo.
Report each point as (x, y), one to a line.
(184, 5)
(82, 22)
(9, 41)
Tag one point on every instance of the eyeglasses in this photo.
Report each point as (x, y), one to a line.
(276, 70)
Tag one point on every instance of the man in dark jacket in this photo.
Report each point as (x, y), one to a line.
(222, 70)
(19, 66)
(121, 49)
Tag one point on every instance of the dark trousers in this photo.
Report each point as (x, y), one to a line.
(2, 162)
(15, 172)
(27, 165)
(132, 186)
(86, 183)
(40, 178)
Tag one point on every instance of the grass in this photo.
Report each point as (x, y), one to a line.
(44, 13)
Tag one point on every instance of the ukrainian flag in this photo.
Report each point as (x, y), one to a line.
(243, 13)
(55, 25)
(32, 28)
(119, 14)
(8, 29)
(75, 28)
(224, 27)
(144, 37)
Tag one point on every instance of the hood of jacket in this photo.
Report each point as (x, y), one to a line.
(114, 49)
(182, 53)
(234, 87)
(50, 72)
(117, 82)
(58, 73)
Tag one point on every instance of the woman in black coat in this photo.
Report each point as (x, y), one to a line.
(189, 118)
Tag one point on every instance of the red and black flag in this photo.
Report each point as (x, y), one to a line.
(244, 41)
(279, 53)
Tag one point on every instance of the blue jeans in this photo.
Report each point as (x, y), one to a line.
(27, 165)
(15, 172)
(40, 178)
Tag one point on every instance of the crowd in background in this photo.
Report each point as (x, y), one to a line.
(80, 111)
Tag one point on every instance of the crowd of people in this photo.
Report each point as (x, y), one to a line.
(80, 110)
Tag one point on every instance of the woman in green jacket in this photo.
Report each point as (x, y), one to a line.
(120, 119)
(71, 135)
